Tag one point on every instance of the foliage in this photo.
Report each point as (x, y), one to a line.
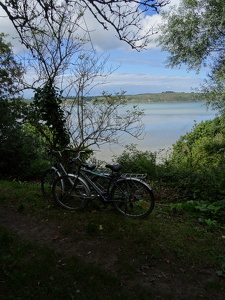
(10, 71)
(201, 146)
(210, 214)
(47, 116)
(19, 148)
(136, 161)
(213, 88)
(194, 34)
(196, 165)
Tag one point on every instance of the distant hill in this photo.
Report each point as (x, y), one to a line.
(164, 97)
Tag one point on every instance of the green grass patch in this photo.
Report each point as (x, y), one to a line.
(29, 271)
(166, 237)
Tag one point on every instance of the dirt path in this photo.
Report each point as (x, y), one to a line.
(160, 275)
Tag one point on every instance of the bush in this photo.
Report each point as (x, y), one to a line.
(20, 146)
(135, 161)
(197, 162)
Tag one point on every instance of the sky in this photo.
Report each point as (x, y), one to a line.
(136, 72)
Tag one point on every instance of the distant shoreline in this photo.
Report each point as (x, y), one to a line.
(165, 97)
(181, 101)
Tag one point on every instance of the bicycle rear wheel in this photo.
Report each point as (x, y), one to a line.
(133, 198)
(71, 192)
(48, 177)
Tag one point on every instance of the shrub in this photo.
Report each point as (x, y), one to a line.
(20, 146)
(135, 161)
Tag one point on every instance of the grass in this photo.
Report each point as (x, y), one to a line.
(173, 244)
(30, 271)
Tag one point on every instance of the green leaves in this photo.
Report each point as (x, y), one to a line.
(210, 214)
(48, 117)
(10, 71)
(193, 31)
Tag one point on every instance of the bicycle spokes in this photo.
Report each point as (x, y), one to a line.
(133, 198)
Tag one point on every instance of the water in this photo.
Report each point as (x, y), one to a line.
(164, 124)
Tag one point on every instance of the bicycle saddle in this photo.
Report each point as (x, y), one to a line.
(114, 168)
(89, 166)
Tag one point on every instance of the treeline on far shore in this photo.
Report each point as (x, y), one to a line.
(165, 97)
(151, 98)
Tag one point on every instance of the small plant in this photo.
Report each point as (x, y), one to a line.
(19, 182)
(210, 214)
(221, 272)
(208, 222)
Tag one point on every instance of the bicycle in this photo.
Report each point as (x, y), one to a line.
(52, 173)
(128, 193)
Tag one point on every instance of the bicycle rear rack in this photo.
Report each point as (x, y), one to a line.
(130, 175)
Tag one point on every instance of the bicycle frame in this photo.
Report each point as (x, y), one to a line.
(100, 192)
(128, 193)
(58, 166)
(112, 181)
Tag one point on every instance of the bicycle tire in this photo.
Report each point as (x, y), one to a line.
(132, 198)
(69, 195)
(48, 177)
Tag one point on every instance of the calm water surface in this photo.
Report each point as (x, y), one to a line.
(164, 124)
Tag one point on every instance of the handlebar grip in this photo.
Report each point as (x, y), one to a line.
(49, 151)
(70, 150)
(87, 151)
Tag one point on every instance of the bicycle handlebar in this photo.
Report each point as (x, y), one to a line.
(50, 151)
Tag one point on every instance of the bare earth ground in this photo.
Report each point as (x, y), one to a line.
(160, 276)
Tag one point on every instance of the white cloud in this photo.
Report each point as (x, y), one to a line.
(144, 62)
(103, 40)
(7, 27)
(145, 83)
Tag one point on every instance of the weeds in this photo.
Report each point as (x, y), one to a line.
(210, 214)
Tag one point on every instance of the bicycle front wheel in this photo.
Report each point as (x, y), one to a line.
(71, 192)
(49, 176)
(133, 198)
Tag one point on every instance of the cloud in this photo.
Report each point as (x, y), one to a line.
(145, 83)
(102, 40)
(148, 65)
(13, 37)
(105, 40)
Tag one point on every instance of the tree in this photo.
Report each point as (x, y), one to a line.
(47, 116)
(104, 121)
(18, 150)
(98, 121)
(11, 71)
(62, 55)
(194, 34)
(124, 16)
